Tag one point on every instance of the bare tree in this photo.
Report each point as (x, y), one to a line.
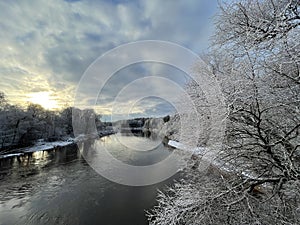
(264, 122)
(256, 178)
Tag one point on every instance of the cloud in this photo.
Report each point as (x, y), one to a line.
(47, 45)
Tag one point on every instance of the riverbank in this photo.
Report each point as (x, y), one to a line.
(41, 145)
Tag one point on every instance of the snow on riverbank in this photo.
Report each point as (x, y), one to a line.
(42, 145)
(201, 151)
(178, 145)
(39, 146)
(48, 146)
(10, 155)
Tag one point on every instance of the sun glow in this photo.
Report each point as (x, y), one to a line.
(44, 99)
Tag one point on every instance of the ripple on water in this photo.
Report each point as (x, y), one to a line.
(59, 187)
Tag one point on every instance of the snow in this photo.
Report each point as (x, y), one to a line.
(178, 145)
(10, 155)
(47, 146)
(40, 145)
(200, 151)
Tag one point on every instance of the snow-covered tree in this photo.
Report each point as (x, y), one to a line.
(256, 178)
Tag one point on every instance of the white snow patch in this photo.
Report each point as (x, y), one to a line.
(201, 151)
(47, 146)
(178, 145)
(10, 155)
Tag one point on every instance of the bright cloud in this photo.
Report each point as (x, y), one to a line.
(44, 99)
(47, 45)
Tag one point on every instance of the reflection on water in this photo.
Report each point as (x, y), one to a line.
(33, 163)
(132, 150)
(59, 187)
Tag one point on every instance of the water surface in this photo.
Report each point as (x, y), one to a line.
(59, 187)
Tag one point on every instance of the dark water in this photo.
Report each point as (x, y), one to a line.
(59, 187)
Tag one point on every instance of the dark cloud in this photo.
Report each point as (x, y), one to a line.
(129, 74)
(50, 44)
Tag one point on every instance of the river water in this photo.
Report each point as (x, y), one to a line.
(59, 187)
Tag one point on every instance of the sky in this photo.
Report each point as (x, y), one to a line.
(46, 46)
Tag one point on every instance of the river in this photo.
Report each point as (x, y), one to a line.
(59, 186)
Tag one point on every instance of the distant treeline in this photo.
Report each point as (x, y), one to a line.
(21, 126)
